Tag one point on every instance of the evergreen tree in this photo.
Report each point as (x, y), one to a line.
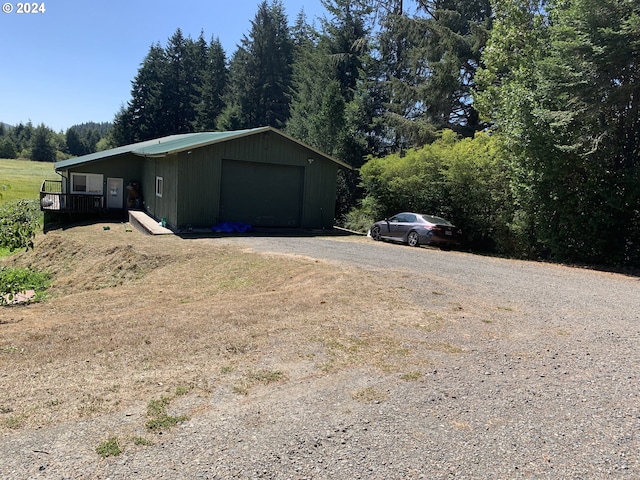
(90, 140)
(260, 73)
(21, 135)
(75, 146)
(329, 107)
(122, 132)
(143, 116)
(42, 149)
(427, 64)
(180, 80)
(346, 35)
(7, 148)
(561, 83)
(317, 109)
(214, 83)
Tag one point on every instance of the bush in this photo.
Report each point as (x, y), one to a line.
(462, 180)
(362, 217)
(19, 223)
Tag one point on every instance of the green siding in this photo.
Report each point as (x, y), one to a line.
(201, 184)
(166, 205)
(128, 167)
(267, 163)
(198, 195)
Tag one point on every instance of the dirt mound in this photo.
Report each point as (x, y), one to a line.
(79, 266)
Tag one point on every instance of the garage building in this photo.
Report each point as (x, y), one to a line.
(260, 177)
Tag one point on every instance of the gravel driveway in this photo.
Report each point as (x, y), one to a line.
(546, 385)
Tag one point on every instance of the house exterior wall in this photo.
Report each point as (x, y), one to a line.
(127, 167)
(164, 206)
(264, 169)
(199, 176)
(199, 191)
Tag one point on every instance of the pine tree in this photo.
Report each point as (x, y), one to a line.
(7, 148)
(214, 82)
(181, 79)
(329, 106)
(317, 109)
(42, 149)
(143, 116)
(75, 146)
(560, 82)
(427, 68)
(260, 73)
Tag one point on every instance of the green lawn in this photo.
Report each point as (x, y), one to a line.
(21, 179)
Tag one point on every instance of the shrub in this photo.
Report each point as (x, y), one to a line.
(19, 223)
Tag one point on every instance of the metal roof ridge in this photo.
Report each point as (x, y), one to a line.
(161, 147)
(220, 136)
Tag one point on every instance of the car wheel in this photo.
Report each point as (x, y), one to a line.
(412, 239)
(375, 233)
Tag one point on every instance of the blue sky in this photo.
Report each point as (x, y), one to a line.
(74, 63)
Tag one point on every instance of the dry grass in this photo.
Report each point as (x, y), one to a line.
(132, 317)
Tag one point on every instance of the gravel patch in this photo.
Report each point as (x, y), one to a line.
(534, 375)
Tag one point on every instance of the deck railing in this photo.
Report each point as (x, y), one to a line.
(52, 198)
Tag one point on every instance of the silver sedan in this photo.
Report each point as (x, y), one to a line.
(416, 229)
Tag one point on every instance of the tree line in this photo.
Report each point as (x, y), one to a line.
(42, 144)
(369, 78)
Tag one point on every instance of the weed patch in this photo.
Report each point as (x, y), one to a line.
(159, 418)
(14, 280)
(15, 421)
(141, 441)
(109, 448)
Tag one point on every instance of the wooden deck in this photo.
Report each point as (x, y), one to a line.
(146, 224)
(51, 201)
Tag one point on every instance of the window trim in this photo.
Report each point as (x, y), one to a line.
(98, 179)
(159, 186)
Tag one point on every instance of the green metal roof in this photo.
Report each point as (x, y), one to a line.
(162, 147)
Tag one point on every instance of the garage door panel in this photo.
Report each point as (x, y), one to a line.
(261, 194)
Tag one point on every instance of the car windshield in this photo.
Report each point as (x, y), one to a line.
(436, 220)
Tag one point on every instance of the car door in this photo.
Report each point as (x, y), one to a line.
(402, 227)
(397, 225)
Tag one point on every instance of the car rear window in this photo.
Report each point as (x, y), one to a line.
(436, 220)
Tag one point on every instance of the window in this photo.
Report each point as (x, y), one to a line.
(400, 218)
(159, 184)
(86, 183)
